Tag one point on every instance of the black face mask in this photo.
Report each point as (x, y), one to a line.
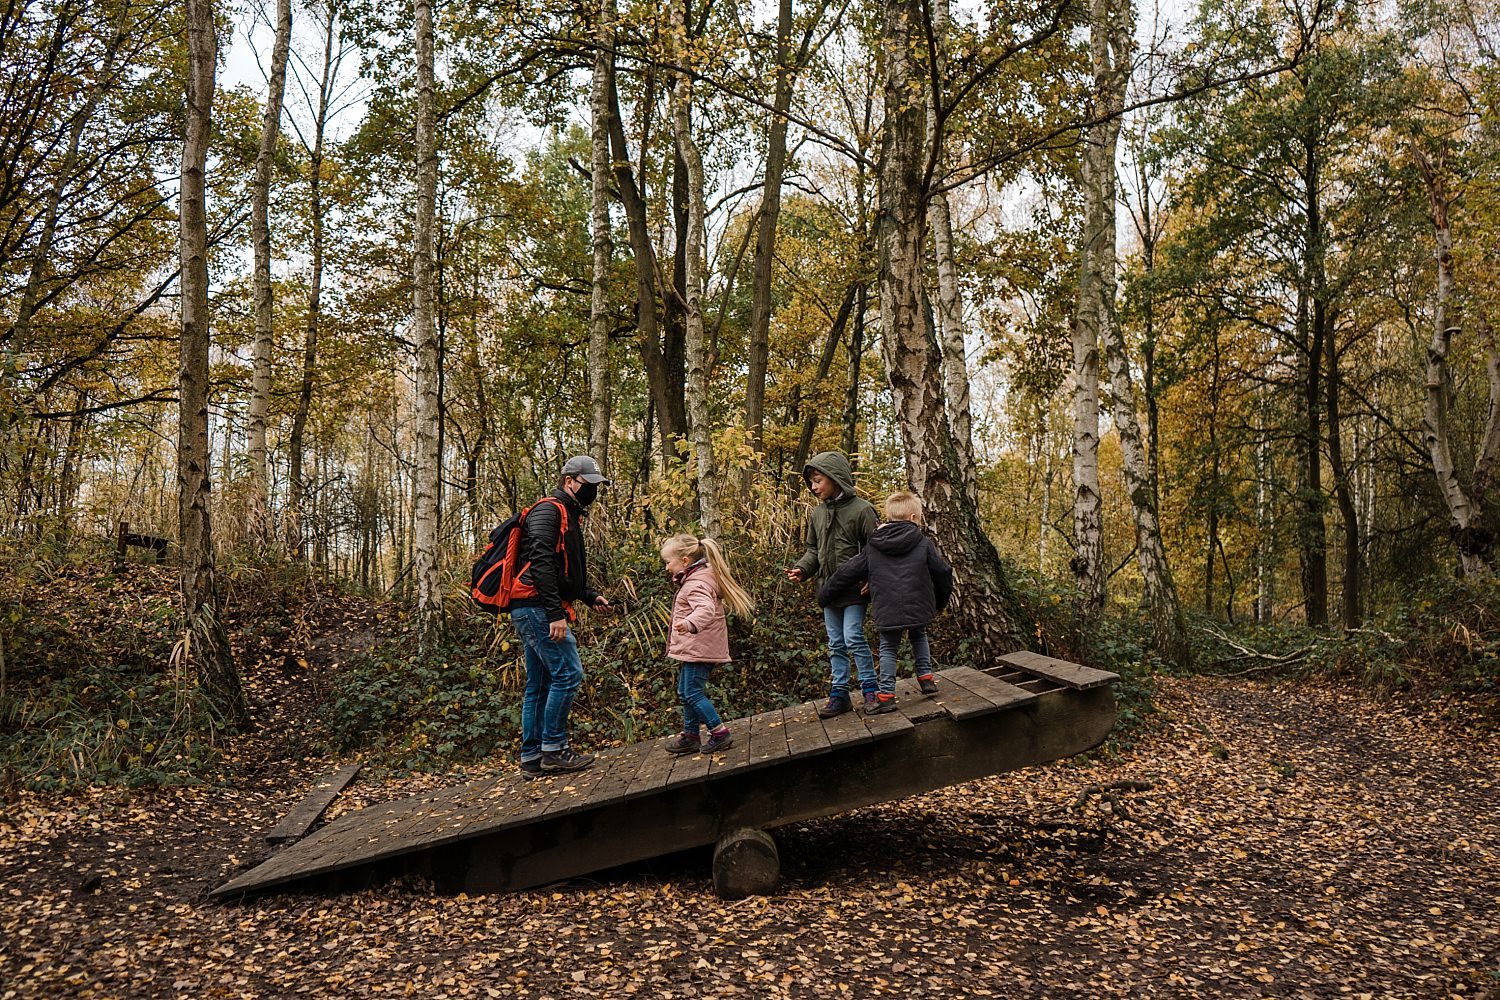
(586, 493)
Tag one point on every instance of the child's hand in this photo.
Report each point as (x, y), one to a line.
(795, 575)
(680, 627)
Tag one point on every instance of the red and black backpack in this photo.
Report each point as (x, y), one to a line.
(495, 580)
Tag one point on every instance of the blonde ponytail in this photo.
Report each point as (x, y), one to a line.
(734, 596)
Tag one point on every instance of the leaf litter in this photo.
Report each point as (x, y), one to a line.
(1262, 841)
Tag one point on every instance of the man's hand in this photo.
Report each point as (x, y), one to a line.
(557, 631)
(795, 575)
(602, 606)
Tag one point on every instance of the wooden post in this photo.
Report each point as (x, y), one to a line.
(746, 863)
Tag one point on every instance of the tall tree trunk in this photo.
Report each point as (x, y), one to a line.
(296, 440)
(428, 460)
(759, 334)
(257, 515)
(599, 410)
(1112, 34)
(950, 312)
(205, 644)
(856, 352)
(690, 256)
(825, 365)
(1088, 522)
(648, 336)
(987, 606)
(1312, 531)
(1465, 508)
(1353, 600)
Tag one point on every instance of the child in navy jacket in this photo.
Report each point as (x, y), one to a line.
(910, 582)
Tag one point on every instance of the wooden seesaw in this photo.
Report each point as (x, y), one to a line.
(504, 833)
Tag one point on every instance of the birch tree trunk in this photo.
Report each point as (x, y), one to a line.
(697, 348)
(1111, 42)
(950, 310)
(257, 515)
(424, 333)
(1465, 508)
(985, 603)
(604, 54)
(1088, 523)
(205, 644)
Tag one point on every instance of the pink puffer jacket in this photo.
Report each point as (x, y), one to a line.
(697, 603)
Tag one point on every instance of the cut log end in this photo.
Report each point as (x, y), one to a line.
(746, 863)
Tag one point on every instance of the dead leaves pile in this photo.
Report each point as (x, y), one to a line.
(1268, 841)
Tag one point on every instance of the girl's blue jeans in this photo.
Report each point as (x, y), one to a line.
(696, 708)
(553, 675)
(890, 647)
(846, 639)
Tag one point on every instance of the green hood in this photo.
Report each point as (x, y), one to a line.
(835, 466)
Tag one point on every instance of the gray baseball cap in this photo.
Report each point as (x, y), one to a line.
(584, 468)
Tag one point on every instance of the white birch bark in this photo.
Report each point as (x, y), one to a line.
(1465, 508)
(257, 516)
(950, 311)
(984, 600)
(697, 348)
(1111, 38)
(424, 333)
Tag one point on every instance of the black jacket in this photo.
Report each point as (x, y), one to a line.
(909, 581)
(553, 583)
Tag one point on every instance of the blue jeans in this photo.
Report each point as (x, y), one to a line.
(890, 645)
(553, 674)
(846, 638)
(696, 708)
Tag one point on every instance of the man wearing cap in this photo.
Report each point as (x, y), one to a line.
(541, 607)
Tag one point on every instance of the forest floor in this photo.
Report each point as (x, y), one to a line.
(1294, 841)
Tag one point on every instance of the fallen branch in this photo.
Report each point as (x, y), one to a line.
(1269, 661)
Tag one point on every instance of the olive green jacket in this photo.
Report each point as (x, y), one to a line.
(837, 529)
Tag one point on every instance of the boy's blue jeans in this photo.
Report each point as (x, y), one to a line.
(553, 675)
(846, 638)
(696, 708)
(890, 646)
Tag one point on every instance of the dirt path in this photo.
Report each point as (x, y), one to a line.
(1294, 842)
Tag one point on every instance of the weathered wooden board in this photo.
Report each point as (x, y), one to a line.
(1072, 675)
(304, 814)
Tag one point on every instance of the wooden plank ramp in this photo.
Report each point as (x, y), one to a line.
(304, 814)
(636, 802)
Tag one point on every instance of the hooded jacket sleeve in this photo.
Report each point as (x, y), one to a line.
(846, 578)
(942, 576)
(808, 564)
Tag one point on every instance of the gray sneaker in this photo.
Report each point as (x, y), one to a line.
(565, 760)
(718, 742)
(531, 769)
(836, 704)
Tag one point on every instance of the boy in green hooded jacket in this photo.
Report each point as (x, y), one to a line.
(837, 530)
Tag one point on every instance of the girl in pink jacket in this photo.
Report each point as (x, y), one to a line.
(698, 637)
